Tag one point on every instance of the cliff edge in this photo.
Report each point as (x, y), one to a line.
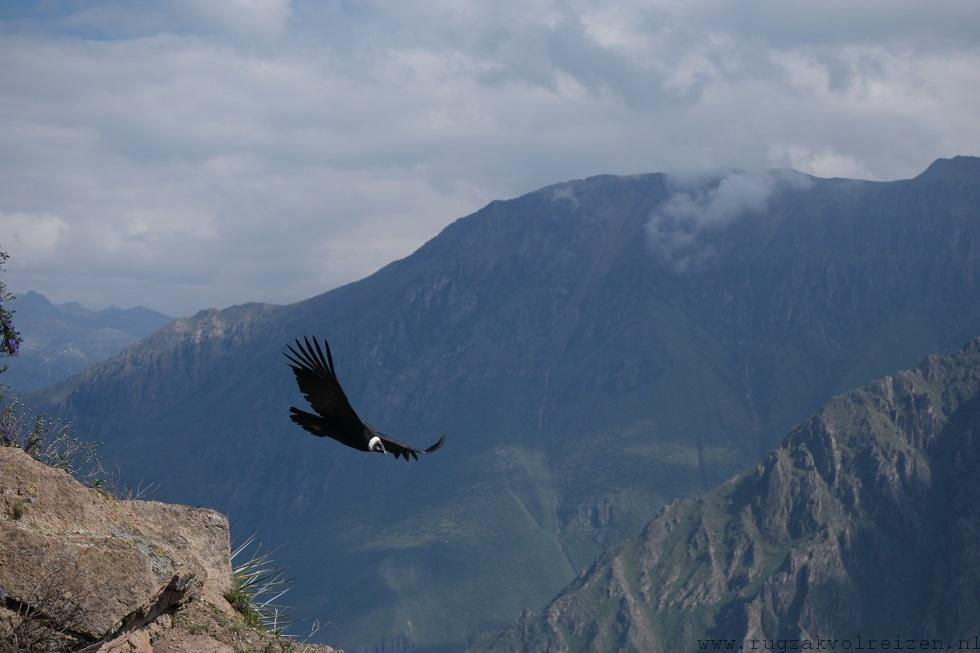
(80, 569)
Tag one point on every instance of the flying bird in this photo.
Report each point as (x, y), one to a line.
(336, 418)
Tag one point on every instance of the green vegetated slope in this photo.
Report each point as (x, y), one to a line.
(863, 523)
(593, 349)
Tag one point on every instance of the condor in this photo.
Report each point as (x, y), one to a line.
(336, 419)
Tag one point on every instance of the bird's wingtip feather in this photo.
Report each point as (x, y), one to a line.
(437, 445)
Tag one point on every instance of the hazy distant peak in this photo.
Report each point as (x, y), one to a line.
(63, 339)
(34, 298)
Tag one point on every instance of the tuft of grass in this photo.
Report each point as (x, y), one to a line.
(257, 583)
(18, 509)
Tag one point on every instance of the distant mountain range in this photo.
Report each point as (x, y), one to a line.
(863, 524)
(61, 340)
(593, 349)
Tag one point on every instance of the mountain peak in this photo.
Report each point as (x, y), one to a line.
(958, 168)
(33, 298)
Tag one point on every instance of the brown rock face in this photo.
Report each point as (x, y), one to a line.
(81, 569)
(105, 564)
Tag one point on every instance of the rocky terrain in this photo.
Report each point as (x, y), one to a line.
(81, 570)
(863, 523)
(593, 350)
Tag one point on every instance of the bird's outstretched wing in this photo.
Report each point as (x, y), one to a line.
(318, 382)
(398, 449)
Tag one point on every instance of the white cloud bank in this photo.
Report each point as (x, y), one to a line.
(209, 153)
(697, 206)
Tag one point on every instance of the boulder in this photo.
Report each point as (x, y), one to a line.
(80, 568)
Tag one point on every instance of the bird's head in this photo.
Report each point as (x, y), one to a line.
(375, 444)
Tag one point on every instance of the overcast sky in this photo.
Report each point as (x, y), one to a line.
(192, 153)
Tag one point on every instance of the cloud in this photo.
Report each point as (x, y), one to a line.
(823, 163)
(213, 153)
(564, 193)
(247, 17)
(34, 237)
(701, 205)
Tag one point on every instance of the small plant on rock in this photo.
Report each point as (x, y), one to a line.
(257, 583)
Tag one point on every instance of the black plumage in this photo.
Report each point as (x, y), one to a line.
(335, 417)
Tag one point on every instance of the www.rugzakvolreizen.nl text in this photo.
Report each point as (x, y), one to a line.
(856, 643)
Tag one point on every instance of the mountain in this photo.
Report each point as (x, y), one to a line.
(593, 350)
(862, 524)
(61, 340)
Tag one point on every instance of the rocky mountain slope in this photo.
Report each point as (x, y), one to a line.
(82, 570)
(593, 349)
(863, 523)
(61, 340)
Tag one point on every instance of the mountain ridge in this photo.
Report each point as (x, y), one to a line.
(583, 376)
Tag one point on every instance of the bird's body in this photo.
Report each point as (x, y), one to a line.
(335, 417)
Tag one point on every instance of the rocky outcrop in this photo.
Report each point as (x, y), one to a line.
(81, 569)
(863, 523)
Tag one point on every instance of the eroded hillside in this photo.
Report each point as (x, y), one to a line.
(863, 523)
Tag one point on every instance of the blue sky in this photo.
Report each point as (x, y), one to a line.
(187, 154)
